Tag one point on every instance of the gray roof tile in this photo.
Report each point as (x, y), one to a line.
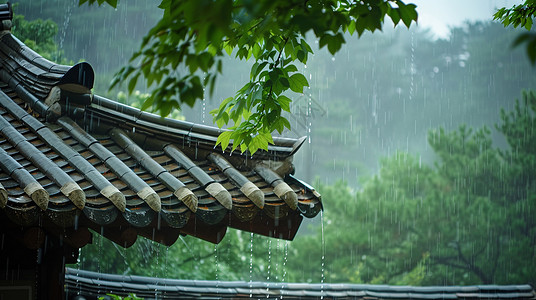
(94, 284)
(134, 169)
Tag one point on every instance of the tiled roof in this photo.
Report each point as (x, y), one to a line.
(91, 284)
(73, 160)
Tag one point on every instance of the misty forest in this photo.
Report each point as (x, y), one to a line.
(423, 149)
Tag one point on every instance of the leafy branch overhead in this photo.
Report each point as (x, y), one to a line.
(182, 55)
(521, 15)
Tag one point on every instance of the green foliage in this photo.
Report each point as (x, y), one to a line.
(518, 15)
(116, 297)
(182, 55)
(112, 3)
(471, 216)
(521, 15)
(239, 256)
(38, 35)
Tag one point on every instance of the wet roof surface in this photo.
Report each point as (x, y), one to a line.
(70, 159)
(80, 282)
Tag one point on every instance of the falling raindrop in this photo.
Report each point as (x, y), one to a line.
(204, 108)
(323, 255)
(216, 263)
(156, 247)
(251, 266)
(277, 251)
(269, 268)
(285, 262)
(65, 26)
(78, 263)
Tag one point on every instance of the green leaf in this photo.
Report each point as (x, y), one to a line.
(132, 83)
(286, 123)
(351, 27)
(254, 145)
(228, 49)
(243, 148)
(284, 82)
(147, 103)
(335, 43)
(528, 24)
(284, 102)
(407, 13)
(256, 50)
(394, 15)
(324, 40)
(113, 3)
(297, 81)
(256, 69)
(291, 68)
(224, 138)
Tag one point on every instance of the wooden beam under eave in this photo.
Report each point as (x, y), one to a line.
(166, 236)
(209, 233)
(124, 236)
(283, 228)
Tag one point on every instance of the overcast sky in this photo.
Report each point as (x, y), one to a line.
(439, 15)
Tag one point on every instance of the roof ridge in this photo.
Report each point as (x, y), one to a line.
(84, 281)
(195, 130)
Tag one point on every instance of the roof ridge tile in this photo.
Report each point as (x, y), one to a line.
(214, 188)
(122, 171)
(246, 187)
(69, 154)
(171, 182)
(281, 188)
(25, 180)
(67, 186)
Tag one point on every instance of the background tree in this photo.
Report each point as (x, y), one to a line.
(384, 92)
(38, 35)
(364, 89)
(467, 220)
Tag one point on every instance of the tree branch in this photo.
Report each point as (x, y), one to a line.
(467, 265)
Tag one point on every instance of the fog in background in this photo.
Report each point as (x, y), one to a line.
(381, 93)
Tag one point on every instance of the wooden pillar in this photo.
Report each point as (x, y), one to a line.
(51, 260)
(32, 260)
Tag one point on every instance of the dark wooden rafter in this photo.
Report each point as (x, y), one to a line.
(179, 189)
(247, 187)
(122, 171)
(213, 187)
